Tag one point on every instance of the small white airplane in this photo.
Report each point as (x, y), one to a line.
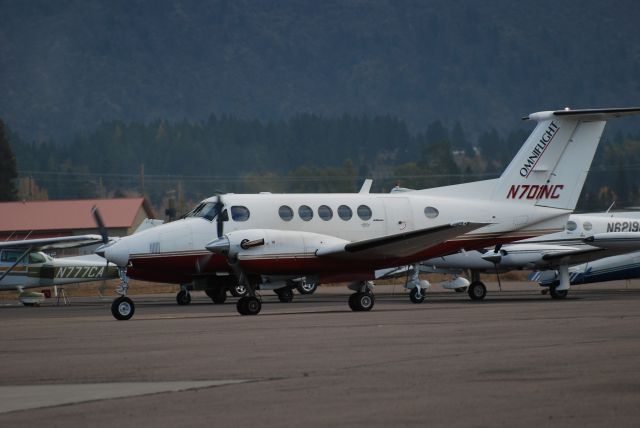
(23, 265)
(624, 266)
(273, 240)
(586, 238)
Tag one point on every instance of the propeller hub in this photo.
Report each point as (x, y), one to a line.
(219, 246)
(494, 258)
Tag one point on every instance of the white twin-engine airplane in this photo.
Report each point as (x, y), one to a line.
(586, 238)
(273, 240)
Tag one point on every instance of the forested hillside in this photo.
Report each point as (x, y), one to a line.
(67, 65)
(307, 153)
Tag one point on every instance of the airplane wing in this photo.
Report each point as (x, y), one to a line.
(622, 240)
(586, 253)
(401, 244)
(50, 243)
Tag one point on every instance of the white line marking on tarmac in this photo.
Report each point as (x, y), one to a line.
(24, 397)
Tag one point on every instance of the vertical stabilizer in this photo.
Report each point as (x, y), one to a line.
(551, 167)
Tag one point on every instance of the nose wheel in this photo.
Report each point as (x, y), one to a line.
(416, 295)
(122, 308)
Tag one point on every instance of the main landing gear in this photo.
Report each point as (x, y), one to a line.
(477, 290)
(123, 308)
(184, 296)
(417, 286)
(306, 287)
(363, 299)
(249, 304)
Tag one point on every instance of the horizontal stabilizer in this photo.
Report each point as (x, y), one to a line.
(586, 114)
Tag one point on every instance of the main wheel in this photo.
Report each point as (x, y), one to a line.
(557, 294)
(413, 295)
(361, 302)
(285, 294)
(249, 305)
(477, 290)
(122, 308)
(238, 290)
(183, 297)
(217, 295)
(307, 287)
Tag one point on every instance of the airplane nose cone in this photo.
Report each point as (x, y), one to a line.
(219, 246)
(117, 253)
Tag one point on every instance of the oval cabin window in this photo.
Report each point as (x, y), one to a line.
(364, 212)
(431, 212)
(285, 213)
(305, 212)
(344, 212)
(587, 225)
(325, 213)
(571, 226)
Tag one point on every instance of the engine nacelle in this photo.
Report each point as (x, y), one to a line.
(277, 243)
(519, 256)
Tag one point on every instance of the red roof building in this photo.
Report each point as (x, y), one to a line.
(42, 219)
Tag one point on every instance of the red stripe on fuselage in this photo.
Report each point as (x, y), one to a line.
(178, 268)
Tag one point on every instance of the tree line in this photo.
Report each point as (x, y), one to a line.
(190, 160)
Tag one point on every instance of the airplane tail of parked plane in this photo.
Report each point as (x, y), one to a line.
(550, 168)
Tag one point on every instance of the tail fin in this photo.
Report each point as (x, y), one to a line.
(552, 165)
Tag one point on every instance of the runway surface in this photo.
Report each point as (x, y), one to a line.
(516, 359)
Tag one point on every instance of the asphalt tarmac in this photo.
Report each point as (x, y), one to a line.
(517, 358)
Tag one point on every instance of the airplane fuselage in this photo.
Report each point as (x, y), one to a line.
(40, 270)
(175, 252)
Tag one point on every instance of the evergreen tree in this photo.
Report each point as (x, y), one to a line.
(8, 170)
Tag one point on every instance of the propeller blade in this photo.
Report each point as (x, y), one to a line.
(219, 219)
(101, 227)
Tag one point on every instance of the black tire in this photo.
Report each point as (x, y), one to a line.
(362, 302)
(477, 290)
(218, 295)
(352, 304)
(249, 305)
(557, 294)
(238, 290)
(307, 287)
(413, 295)
(183, 297)
(122, 308)
(285, 294)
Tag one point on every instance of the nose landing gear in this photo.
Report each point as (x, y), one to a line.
(123, 307)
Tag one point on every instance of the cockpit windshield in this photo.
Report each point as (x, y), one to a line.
(207, 210)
